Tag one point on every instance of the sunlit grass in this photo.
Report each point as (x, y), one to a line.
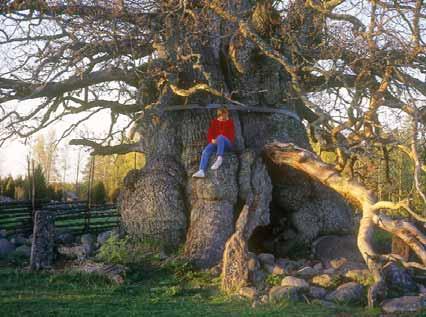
(159, 291)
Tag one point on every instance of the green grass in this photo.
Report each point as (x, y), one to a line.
(155, 291)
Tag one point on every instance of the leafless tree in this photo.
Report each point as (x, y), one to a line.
(342, 66)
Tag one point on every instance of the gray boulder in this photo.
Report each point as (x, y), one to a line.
(19, 239)
(398, 280)
(23, 250)
(347, 293)
(3, 233)
(306, 272)
(6, 247)
(87, 238)
(405, 304)
(257, 278)
(66, 238)
(253, 264)
(291, 281)
(78, 252)
(248, 292)
(317, 292)
(104, 236)
(88, 243)
(266, 259)
(278, 293)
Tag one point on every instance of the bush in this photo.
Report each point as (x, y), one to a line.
(127, 251)
(114, 250)
(274, 280)
(99, 193)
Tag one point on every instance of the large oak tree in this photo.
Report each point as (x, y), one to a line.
(348, 71)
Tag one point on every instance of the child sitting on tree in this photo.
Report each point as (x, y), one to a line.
(221, 137)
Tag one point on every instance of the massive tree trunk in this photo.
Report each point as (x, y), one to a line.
(163, 202)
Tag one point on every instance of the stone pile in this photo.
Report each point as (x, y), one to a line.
(79, 247)
(337, 280)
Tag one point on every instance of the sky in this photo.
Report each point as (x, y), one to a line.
(14, 153)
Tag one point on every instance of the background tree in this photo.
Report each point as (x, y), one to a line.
(40, 184)
(99, 193)
(351, 70)
(9, 187)
(45, 154)
(111, 170)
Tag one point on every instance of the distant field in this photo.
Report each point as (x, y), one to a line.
(153, 292)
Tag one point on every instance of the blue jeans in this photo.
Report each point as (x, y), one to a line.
(222, 144)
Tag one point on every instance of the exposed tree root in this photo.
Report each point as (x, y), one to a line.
(366, 201)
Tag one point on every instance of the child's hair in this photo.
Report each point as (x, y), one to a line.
(223, 110)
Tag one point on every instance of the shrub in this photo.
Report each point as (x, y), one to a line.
(114, 250)
(274, 280)
(99, 193)
(127, 251)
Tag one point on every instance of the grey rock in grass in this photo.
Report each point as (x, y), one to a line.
(405, 304)
(87, 238)
(291, 281)
(19, 239)
(73, 252)
(104, 236)
(317, 292)
(347, 293)
(266, 259)
(257, 278)
(399, 281)
(23, 250)
(278, 293)
(248, 292)
(307, 272)
(65, 238)
(253, 264)
(318, 266)
(6, 247)
(88, 243)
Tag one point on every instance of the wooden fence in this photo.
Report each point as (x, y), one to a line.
(77, 217)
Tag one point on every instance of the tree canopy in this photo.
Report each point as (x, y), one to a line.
(348, 61)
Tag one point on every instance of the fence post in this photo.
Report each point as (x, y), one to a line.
(89, 193)
(32, 192)
(42, 247)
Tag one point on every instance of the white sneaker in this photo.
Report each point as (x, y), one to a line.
(199, 174)
(217, 163)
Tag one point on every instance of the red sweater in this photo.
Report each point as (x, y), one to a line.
(226, 128)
